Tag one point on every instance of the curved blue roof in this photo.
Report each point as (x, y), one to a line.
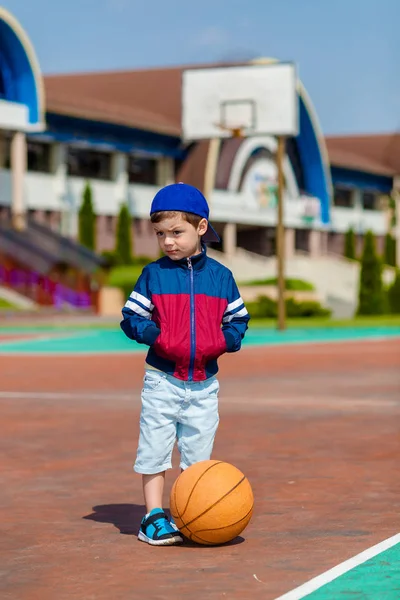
(20, 74)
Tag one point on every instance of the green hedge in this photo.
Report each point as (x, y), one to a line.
(125, 277)
(266, 308)
(298, 285)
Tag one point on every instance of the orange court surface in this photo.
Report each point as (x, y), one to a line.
(315, 428)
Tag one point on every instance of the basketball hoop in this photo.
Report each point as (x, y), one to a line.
(236, 132)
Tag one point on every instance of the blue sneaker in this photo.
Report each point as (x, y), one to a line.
(155, 529)
(173, 524)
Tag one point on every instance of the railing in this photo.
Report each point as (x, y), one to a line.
(42, 289)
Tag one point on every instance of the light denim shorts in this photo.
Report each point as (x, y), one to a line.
(186, 411)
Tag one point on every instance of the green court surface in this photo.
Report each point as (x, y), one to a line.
(377, 578)
(100, 341)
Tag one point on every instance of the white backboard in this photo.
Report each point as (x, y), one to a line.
(259, 99)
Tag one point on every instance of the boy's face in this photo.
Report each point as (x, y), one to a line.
(179, 239)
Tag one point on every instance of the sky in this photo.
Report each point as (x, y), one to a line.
(347, 51)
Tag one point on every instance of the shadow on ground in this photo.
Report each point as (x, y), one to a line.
(127, 518)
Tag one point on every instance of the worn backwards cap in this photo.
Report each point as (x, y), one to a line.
(184, 198)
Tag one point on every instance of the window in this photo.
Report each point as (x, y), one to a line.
(89, 163)
(142, 170)
(39, 157)
(369, 201)
(302, 239)
(7, 153)
(177, 166)
(343, 197)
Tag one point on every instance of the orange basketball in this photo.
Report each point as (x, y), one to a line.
(211, 502)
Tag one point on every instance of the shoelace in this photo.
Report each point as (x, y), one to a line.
(160, 524)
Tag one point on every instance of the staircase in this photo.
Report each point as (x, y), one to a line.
(33, 263)
(335, 278)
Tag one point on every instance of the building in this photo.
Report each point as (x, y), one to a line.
(121, 131)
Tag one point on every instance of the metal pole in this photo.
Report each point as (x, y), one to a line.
(280, 237)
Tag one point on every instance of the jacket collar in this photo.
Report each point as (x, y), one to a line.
(198, 261)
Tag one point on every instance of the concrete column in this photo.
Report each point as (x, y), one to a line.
(119, 174)
(229, 239)
(358, 210)
(290, 248)
(165, 171)
(18, 169)
(324, 243)
(59, 171)
(314, 243)
(211, 168)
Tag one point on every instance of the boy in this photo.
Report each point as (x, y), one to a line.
(177, 308)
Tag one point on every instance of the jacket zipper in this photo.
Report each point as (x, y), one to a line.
(192, 323)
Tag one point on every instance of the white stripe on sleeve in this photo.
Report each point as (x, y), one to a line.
(138, 309)
(234, 305)
(143, 300)
(240, 313)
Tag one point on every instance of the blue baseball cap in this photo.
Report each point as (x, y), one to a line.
(184, 198)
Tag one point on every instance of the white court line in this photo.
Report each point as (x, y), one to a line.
(271, 401)
(49, 337)
(65, 396)
(318, 582)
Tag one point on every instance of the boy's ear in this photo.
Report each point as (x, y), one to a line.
(203, 226)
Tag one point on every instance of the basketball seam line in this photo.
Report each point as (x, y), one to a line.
(225, 526)
(194, 487)
(215, 503)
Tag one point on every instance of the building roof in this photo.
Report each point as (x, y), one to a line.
(374, 153)
(146, 99)
(150, 99)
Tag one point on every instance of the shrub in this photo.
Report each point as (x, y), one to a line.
(87, 220)
(123, 248)
(389, 256)
(266, 308)
(350, 244)
(371, 294)
(393, 295)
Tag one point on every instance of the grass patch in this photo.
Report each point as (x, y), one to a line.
(298, 285)
(125, 274)
(124, 277)
(373, 321)
(5, 305)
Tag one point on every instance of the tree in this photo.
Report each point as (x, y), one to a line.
(390, 250)
(123, 249)
(87, 220)
(371, 294)
(394, 295)
(350, 244)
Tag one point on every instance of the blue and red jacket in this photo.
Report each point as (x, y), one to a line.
(177, 308)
